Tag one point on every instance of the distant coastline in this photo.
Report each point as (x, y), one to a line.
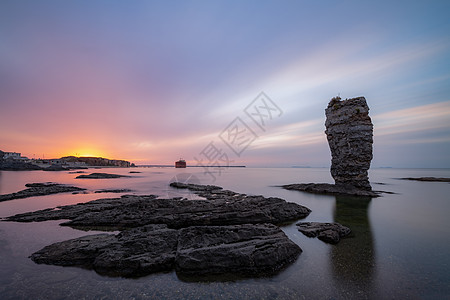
(14, 161)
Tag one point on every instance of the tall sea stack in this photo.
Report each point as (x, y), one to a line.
(349, 131)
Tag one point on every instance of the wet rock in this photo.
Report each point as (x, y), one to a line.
(240, 249)
(349, 131)
(165, 234)
(131, 253)
(40, 189)
(328, 232)
(137, 210)
(244, 249)
(100, 176)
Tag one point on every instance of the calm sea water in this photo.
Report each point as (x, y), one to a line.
(400, 247)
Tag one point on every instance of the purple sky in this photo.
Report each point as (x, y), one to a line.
(153, 81)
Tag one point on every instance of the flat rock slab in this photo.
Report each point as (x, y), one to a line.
(40, 189)
(113, 191)
(132, 253)
(328, 232)
(431, 179)
(221, 208)
(100, 176)
(245, 249)
(248, 249)
(331, 189)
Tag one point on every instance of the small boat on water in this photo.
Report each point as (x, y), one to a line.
(180, 164)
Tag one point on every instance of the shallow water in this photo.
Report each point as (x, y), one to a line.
(400, 247)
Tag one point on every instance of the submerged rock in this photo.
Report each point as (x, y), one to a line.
(100, 176)
(327, 232)
(240, 249)
(349, 131)
(40, 189)
(430, 179)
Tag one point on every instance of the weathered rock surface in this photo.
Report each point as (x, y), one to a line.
(40, 189)
(233, 237)
(244, 249)
(136, 252)
(100, 176)
(240, 249)
(327, 232)
(430, 179)
(349, 131)
(331, 189)
(221, 208)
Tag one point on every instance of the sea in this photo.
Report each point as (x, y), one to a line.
(399, 248)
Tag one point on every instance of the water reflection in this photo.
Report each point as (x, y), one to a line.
(353, 259)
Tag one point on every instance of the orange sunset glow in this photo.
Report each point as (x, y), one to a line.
(123, 86)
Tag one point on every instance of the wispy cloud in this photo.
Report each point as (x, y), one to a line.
(422, 118)
(292, 135)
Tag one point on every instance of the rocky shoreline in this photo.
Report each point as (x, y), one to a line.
(227, 233)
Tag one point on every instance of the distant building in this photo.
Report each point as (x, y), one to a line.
(11, 155)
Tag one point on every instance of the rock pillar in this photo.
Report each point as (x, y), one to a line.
(349, 131)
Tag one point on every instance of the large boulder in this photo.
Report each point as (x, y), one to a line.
(349, 131)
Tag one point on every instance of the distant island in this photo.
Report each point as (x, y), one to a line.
(13, 161)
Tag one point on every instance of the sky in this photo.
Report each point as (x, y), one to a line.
(155, 81)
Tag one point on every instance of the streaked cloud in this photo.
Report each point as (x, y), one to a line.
(435, 116)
